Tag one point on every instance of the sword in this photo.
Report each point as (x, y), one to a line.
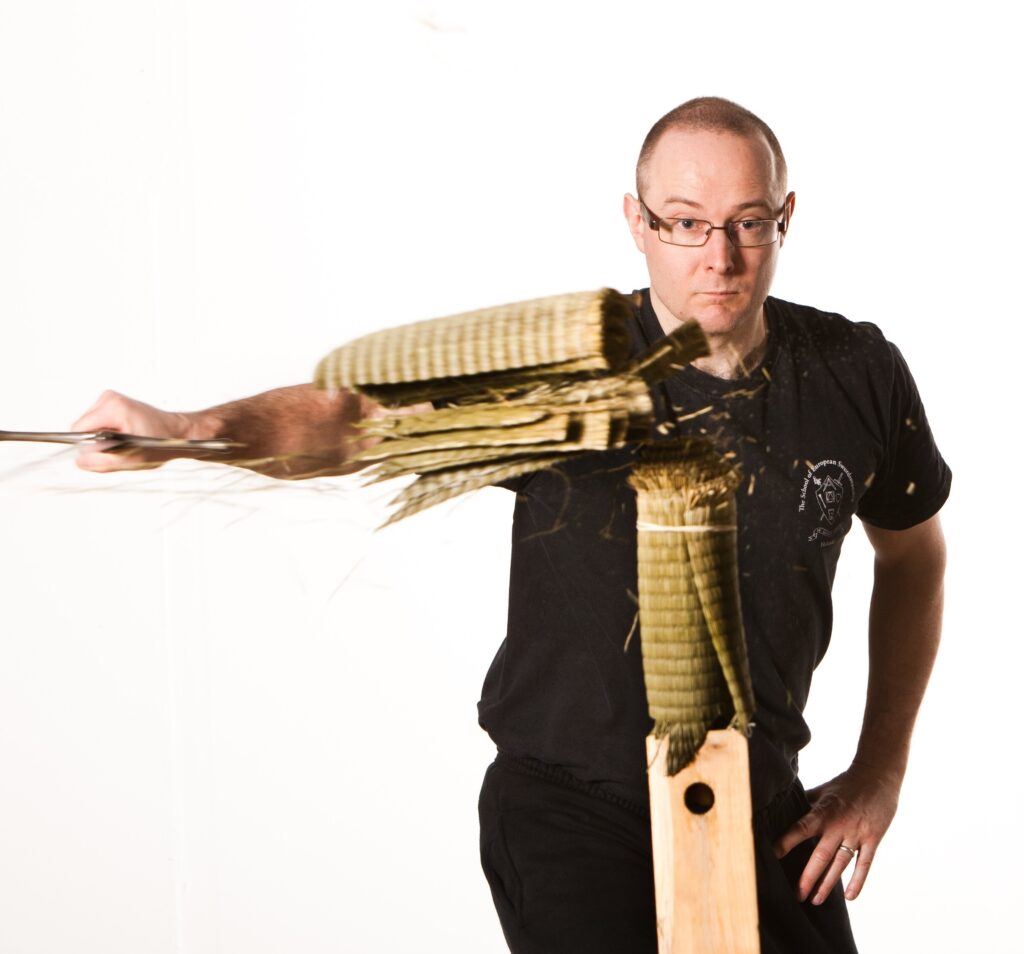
(120, 441)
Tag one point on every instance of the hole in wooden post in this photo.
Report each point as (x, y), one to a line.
(699, 798)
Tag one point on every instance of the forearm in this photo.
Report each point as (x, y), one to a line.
(851, 813)
(290, 433)
(905, 622)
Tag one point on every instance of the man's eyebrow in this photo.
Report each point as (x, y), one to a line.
(752, 204)
(680, 200)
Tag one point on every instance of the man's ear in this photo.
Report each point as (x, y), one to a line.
(634, 220)
(787, 214)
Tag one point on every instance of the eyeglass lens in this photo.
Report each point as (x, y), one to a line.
(746, 233)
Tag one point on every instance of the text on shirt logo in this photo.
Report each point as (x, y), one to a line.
(826, 492)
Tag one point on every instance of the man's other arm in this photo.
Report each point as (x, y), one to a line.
(290, 433)
(857, 807)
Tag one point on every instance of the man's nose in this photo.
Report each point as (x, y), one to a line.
(719, 252)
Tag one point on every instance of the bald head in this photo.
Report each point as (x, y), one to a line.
(713, 114)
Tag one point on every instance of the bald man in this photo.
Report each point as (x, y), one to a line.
(824, 421)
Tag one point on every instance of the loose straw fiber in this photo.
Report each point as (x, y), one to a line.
(691, 630)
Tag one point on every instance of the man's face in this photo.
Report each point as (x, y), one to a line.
(720, 177)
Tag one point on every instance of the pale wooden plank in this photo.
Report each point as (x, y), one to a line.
(705, 886)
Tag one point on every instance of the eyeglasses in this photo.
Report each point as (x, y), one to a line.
(744, 233)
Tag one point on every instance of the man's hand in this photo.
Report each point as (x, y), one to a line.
(115, 412)
(854, 809)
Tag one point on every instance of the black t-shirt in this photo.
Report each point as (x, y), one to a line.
(828, 426)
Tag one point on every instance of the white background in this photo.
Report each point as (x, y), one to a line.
(235, 719)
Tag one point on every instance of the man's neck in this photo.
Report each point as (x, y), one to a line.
(732, 355)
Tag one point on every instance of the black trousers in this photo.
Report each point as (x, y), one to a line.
(570, 869)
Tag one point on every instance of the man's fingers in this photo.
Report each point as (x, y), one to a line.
(99, 462)
(100, 416)
(803, 828)
(818, 868)
(840, 860)
(864, 858)
(823, 873)
(95, 461)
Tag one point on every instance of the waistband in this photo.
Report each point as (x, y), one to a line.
(562, 776)
(785, 807)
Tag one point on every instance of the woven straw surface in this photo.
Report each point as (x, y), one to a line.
(580, 332)
(691, 631)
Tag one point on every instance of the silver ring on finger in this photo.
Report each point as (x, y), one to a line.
(852, 851)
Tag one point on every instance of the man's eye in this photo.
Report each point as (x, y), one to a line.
(686, 225)
(750, 225)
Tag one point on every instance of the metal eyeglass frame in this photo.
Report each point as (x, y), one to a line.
(655, 222)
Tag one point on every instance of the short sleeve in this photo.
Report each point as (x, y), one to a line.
(913, 480)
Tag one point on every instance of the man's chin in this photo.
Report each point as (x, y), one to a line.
(723, 317)
(717, 320)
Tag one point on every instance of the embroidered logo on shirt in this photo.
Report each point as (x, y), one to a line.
(826, 494)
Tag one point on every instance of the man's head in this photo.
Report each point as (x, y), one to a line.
(711, 114)
(714, 161)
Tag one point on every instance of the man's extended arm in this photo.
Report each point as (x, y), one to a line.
(857, 807)
(290, 433)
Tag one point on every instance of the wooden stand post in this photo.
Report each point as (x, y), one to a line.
(701, 828)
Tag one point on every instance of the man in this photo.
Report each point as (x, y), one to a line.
(824, 421)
